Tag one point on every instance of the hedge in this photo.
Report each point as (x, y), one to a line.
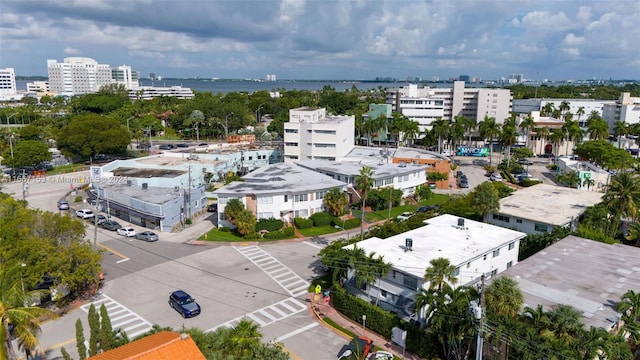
(321, 218)
(303, 223)
(271, 224)
(352, 223)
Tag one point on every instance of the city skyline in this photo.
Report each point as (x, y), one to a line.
(317, 40)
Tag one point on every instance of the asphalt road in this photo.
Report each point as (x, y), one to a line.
(267, 284)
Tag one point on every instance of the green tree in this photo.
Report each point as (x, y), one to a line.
(440, 274)
(24, 320)
(622, 196)
(508, 137)
(65, 354)
(556, 137)
(489, 130)
(30, 132)
(542, 134)
(246, 222)
(364, 182)
(422, 192)
(503, 298)
(88, 135)
(620, 129)
(485, 199)
(27, 152)
(80, 341)
(527, 125)
(335, 200)
(597, 127)
(107, 335)
(440, 130)
(233, 209)
(94, 330)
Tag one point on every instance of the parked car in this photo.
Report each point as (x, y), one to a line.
(148, 236)
(525, 162)
(464, 184)
(63, 204)
(183, 303)
(517, 171)
(182, 145)
(404, 216)
(359, 348)
(164, 147)
(383, 355)
(100, 219)
(84, 213)
(203, 145)
(126, 231)
(212, 208)
(111, 225)
(495, 177)
(423, 209)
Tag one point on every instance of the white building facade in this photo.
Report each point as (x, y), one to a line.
(38, 86)
(78, 75)
(626, 109)
(585, 106)
(124, 75)
(7, 81)
(151, 92)
(312, 134)
(473, 247)
(473, 103)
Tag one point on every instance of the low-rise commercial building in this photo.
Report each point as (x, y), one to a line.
(592, 177)
(588, 275)
(540, 208)
(473, 247)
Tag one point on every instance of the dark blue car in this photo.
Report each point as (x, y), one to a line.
(183, 303)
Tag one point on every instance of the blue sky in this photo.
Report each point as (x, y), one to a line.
(327, 39)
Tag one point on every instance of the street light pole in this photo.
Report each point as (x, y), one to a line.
(258, 112)
(11, 147)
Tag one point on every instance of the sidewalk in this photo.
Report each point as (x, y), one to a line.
(320, 311)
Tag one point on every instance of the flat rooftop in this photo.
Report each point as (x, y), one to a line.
(374, 153)
(590, 276)
(281, 178)
(440, 237)
(548, 204)
(146, 172)
(123, 193)
(352, 168)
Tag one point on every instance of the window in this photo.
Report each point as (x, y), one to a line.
(383, 293)
(265, 215)
(541, 227)
(512, 245)
(300, 197)
(410, 282)
(286, 198)
(485, 257)
(304, 213)
(519, 221)
(494, 272)
(500, 218)
(456, 272)
(509, 264)
(320, 195)
(468, 265)
(265, 200)
(291, 131)
(496, 253)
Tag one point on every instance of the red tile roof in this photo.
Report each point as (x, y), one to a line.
(165, 345)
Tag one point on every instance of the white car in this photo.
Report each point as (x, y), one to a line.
(126, 231)
(404, 216)
(84, 213)
(383, 355)
(495, 177)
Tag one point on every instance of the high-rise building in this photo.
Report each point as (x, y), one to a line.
(516, 79)
(78, 75)
(473, 103)
(270, 77)
(124, 75)
(626, 109)
(7, 81)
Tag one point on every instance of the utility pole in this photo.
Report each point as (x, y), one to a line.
(189, 194)
(95, 219)
(479, 313)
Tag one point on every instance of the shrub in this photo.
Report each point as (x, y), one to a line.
(271, 224)
(321, 219)
(252, 236)
(187, 221)
(289, 231)
(303, 223)
(224, 229)
(78, 198)
(282, 234)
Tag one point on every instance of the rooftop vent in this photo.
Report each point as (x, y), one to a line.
(460, 222)
(145, 186)
(408, 244)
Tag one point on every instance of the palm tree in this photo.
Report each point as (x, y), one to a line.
(456, 133)
(547, 109)
(527, 125)
(565, 323)
(335, 200)
(580, 112)
(542, 134)
(589, 182)
(556, 137)
(440, 129)
(24, 320)
(564, 107)
(622, 196)
(508, 137)
(468, 124)
(629, 307)
(572, 132)
(440, 274)
(245, 335)
(489, 129)
(364, 183)
(504, 298)
(620, 129)
(410, 131)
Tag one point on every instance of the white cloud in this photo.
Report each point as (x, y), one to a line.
(572, 51)
(571, 39)
(72, 51)
(542, 20)
(584, 14)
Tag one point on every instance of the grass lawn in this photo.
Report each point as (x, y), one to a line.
(67, 169)
(217, 235)
(317, 231)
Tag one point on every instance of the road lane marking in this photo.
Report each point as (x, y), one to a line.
(123, 260)
(297, 331)
(113, 251)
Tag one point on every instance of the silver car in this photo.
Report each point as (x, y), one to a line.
(147, 236)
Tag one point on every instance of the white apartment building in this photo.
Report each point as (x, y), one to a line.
(312, 134)
(626, 109)
(7, 81)
(474, 248)
(124, 75)
(78, 75)
(587, 105)
(473, 103)
(38, 86)
(281, 191)
(150, 92)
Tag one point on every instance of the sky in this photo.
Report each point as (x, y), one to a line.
(329, 39)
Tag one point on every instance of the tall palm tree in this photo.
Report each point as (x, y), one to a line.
(489, 129)
(547, 109)
(564, 107)
(24, 320)
(629, 307)
(468, 124)
(245, 335)
(598, 129)
(410, 130)
(620, 129)
(580, 112)
(623, 196)
(542, 134)
(556, 137)
(440, 274)
(527, 125)
(571, 129)
(508, 137)
(503, 298)
(456, 133)
(440, 130)
(364, 183)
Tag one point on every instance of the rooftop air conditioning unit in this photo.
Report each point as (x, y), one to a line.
(408, 244)
(145, 186)
(460, 222)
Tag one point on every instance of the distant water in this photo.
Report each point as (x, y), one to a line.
(227, 86)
